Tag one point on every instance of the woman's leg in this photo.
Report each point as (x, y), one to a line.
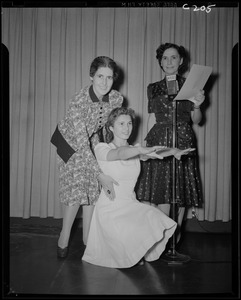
(181, 212)
(87, 215)
(69, 214)
(149, 203)
(165, 208)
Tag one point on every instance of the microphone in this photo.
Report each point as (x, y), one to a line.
(172, 85)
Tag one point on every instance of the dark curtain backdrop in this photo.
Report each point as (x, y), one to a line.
(50, 51)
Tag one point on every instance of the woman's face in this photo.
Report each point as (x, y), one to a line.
(122, 128)
(171, 61)
(102, 81)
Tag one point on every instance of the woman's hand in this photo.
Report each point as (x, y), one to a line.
(149, 150)
(161, 153)
(107, 184)
(178, 153)
(152, 155)
(198, 99)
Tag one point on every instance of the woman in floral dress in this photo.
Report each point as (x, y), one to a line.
(155, 181)
(80, 176)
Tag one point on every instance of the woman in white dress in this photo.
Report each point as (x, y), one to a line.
(125, 231)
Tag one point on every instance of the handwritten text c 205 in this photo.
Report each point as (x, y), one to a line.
(202, 8)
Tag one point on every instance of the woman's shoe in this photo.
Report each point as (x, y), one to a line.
(62, 252)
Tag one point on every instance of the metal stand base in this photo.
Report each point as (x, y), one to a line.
(172, 257)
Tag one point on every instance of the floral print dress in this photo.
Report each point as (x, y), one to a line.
(155, 182)
(84, 119)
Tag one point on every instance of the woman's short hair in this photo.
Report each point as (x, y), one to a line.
(114, 114)
(181, 51)
(104, 61)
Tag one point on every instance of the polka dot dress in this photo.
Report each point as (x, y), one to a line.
(155, 181)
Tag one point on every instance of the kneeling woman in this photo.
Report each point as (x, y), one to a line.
(124, 231)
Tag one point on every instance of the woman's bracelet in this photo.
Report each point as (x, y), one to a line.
(196, 107)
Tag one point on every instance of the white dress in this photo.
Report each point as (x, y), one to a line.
(124, 230)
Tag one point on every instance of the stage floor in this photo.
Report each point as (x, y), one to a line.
(34, 269)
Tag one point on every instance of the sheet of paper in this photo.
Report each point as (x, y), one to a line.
(195, 81)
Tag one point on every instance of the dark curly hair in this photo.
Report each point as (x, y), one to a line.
(104, 61)
(114, 114)
(181, 51)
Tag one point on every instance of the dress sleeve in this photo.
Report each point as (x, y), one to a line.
(73, 127)
(116, 99)
(84, 142)
(90, 160)
(101, 151)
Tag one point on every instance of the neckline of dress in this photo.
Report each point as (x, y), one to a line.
(94, 98)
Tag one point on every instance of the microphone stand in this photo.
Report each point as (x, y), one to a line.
(172, 256)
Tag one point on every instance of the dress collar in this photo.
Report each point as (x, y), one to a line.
(94, 98)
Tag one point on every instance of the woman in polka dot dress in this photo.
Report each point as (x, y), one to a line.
(155, 181)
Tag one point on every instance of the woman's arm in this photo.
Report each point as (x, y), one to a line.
(196, 114)
(126, 152)
(107, 183)
(74, 128)
(151, 121)
(177, 153)
(159, 154)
